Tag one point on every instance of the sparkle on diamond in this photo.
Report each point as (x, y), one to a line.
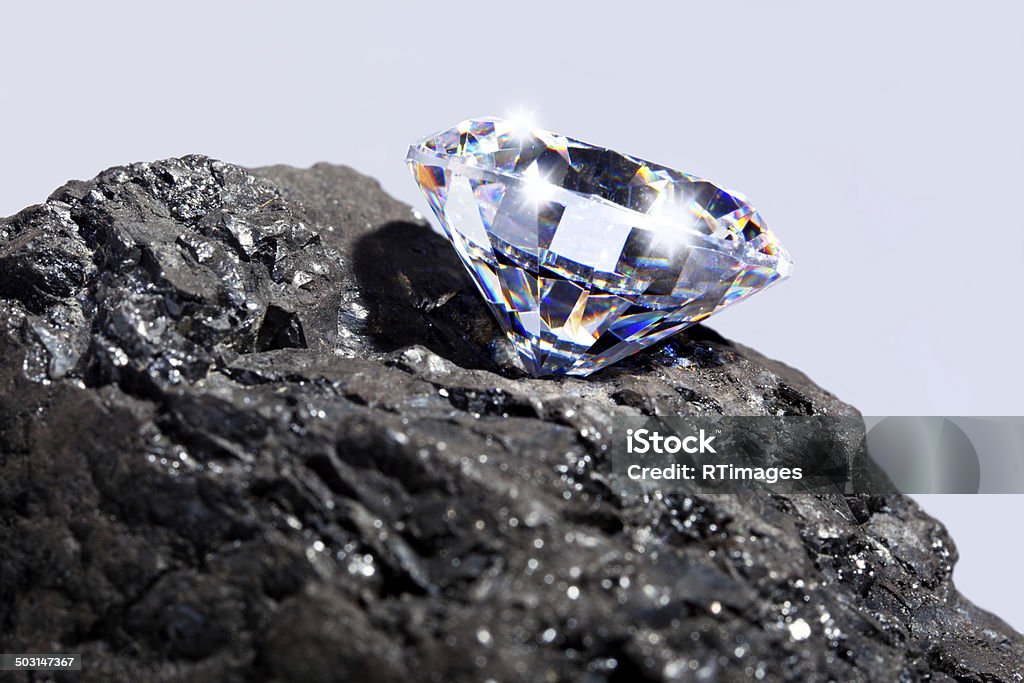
(584, 254)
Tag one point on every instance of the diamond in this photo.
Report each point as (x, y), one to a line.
(584, 254)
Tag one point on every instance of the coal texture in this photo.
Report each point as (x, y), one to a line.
(256, 425)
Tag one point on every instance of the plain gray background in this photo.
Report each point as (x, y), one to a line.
(881, 140)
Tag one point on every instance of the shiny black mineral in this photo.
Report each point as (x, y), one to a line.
(255, 425)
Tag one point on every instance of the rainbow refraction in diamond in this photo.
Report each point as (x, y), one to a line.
(584, 254)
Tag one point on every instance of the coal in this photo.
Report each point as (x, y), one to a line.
(258, 425)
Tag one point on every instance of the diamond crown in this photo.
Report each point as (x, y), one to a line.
(584, 254)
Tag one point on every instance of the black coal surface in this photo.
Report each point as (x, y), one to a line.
(257, 425)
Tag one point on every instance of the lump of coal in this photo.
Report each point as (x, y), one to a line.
(257, 425)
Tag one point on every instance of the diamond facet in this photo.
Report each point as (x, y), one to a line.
(584, 254)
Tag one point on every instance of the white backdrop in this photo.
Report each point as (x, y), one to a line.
(881, 140)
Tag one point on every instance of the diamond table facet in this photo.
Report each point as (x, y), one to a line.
(584, 254)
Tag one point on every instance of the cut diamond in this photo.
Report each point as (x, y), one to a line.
(584, 254)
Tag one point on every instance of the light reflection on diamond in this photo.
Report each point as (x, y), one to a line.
(584, 254)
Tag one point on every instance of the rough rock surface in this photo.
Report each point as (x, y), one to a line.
(254, 426)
